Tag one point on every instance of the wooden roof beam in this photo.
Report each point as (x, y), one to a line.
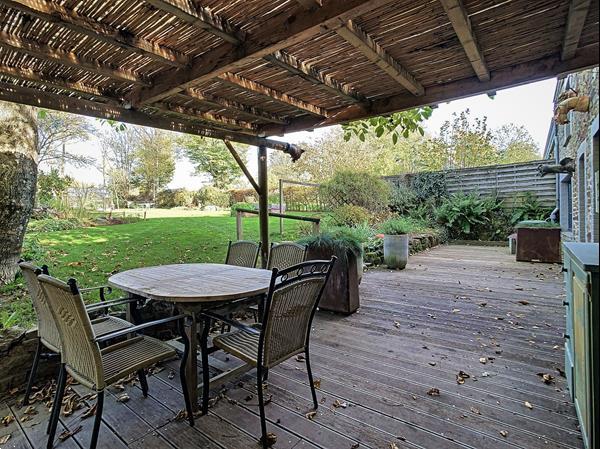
(55, 13)
(356, 37)
(246, 84)
(47, 53)
(281, 31)
(34, 97)
(310, 4)
(195, 114)
(203, 18)
(578, 11)
(56, 83)
(234, 106)
(312, 75)
(462, 27)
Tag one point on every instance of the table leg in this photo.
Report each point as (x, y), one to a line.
(191, 330)
(205, 368)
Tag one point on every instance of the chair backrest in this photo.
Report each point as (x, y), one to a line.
(242, 253)
(46, 328)
(80, 353)
(290, 306)
(285, 255)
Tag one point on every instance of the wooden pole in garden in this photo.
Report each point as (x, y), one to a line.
(263, 207)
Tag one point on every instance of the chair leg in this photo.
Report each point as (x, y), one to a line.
(261, 406)
(310, 379)
(205, 372)
(266, 374)
(55, 408)
(32, 373)
(56, 405)
(143, 382)
(183, 377)
(97, 419)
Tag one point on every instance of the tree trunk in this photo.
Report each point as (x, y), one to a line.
(18, 175)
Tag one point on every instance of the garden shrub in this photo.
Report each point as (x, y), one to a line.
(349, 215)
(529, 208)
(429, 186)
(356, 188)
(403, 199)
(242, 196)
(211, 196)
(54, 224)
(401, 225)
(169, 198)
(474, 217)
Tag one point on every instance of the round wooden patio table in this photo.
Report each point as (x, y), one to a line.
(194, 288)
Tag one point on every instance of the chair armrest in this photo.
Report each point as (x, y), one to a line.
(130, 330)
(234, 323)
(108, 289)
(107, 304)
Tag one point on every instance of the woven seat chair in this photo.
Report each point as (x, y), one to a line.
(294, 294)
(47, 333)
(242, 253)
(96, 368)
(285, 255)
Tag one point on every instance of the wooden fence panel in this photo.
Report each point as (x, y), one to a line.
(506, 181)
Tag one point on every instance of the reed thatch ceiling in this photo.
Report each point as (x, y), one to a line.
(247, 68)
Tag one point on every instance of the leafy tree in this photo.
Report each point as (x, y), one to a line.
(515, 144)
(154, 163)
(211, 157)
(51, 186)
(119, 146)
(395, 125)
(56, 130)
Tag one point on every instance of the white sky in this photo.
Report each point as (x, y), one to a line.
(530, 105)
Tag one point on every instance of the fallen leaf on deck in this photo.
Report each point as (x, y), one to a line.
(337, 403)
(181, 415)
(485, 374)
(561, 372)
(433, 363)
(91, 411)
(355, 446)
(317, 383)
(5, 438)
(528, 405)
(434, 392)
(518, 288)
(393, 445)
(7, 420)
(13, 391)
(524, 302)
(455, 310)
(483, 360)
(310, 415)
(546, 378)
(271, 439)
(461, 376)
(300, 358)
(123, 397)
(482, 304)
(25, 418)
(69, 433)
(475, 410)
(249, 398)
(171, 375)
(504, 433)
(30, 410)
(397, 324)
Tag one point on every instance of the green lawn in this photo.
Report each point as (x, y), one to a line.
(92, 254)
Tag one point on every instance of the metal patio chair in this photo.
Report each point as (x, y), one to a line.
(285, 255)
(290, 306)
(242, 253)
(47, 333)
(95, 368)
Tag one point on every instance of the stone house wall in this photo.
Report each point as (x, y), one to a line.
(578, 140)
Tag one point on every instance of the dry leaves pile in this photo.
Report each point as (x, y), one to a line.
(433, 392)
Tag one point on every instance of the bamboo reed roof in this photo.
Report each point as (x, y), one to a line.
(242, 69)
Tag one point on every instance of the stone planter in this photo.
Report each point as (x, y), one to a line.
(395, 251)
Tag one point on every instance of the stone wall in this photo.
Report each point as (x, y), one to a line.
(17, 348)
(580, 143)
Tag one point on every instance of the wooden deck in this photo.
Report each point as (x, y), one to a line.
(452, 309)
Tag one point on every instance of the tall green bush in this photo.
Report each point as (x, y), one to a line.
(211, 196)
(356, 188)
(403, 199)
(175, 198)
(529, 208)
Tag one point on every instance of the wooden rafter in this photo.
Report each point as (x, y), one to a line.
(34, 97)
(242, 165)
(578, 11)
(56, 83)
(280, 32)
(312, 75)
(195, 114)
(528, 72)
(234, 106)
(244, 83)
(356, 37)
(55, 13)
(203, 18)
(462, 27)
(310, 4)
(47, 53)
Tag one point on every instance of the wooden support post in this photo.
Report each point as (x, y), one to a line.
(281, 207)
(241, 164)
(238, 225)
(316, 227)
(263, 206)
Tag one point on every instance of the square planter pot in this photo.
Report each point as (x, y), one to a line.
(538, 245)
(341, 293)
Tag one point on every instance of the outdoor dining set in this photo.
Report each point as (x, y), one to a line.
(98, 349)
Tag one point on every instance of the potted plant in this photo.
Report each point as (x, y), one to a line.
(341, 292)
(395, 242)
(538, 241)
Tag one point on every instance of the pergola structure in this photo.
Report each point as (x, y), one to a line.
(242, 70)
